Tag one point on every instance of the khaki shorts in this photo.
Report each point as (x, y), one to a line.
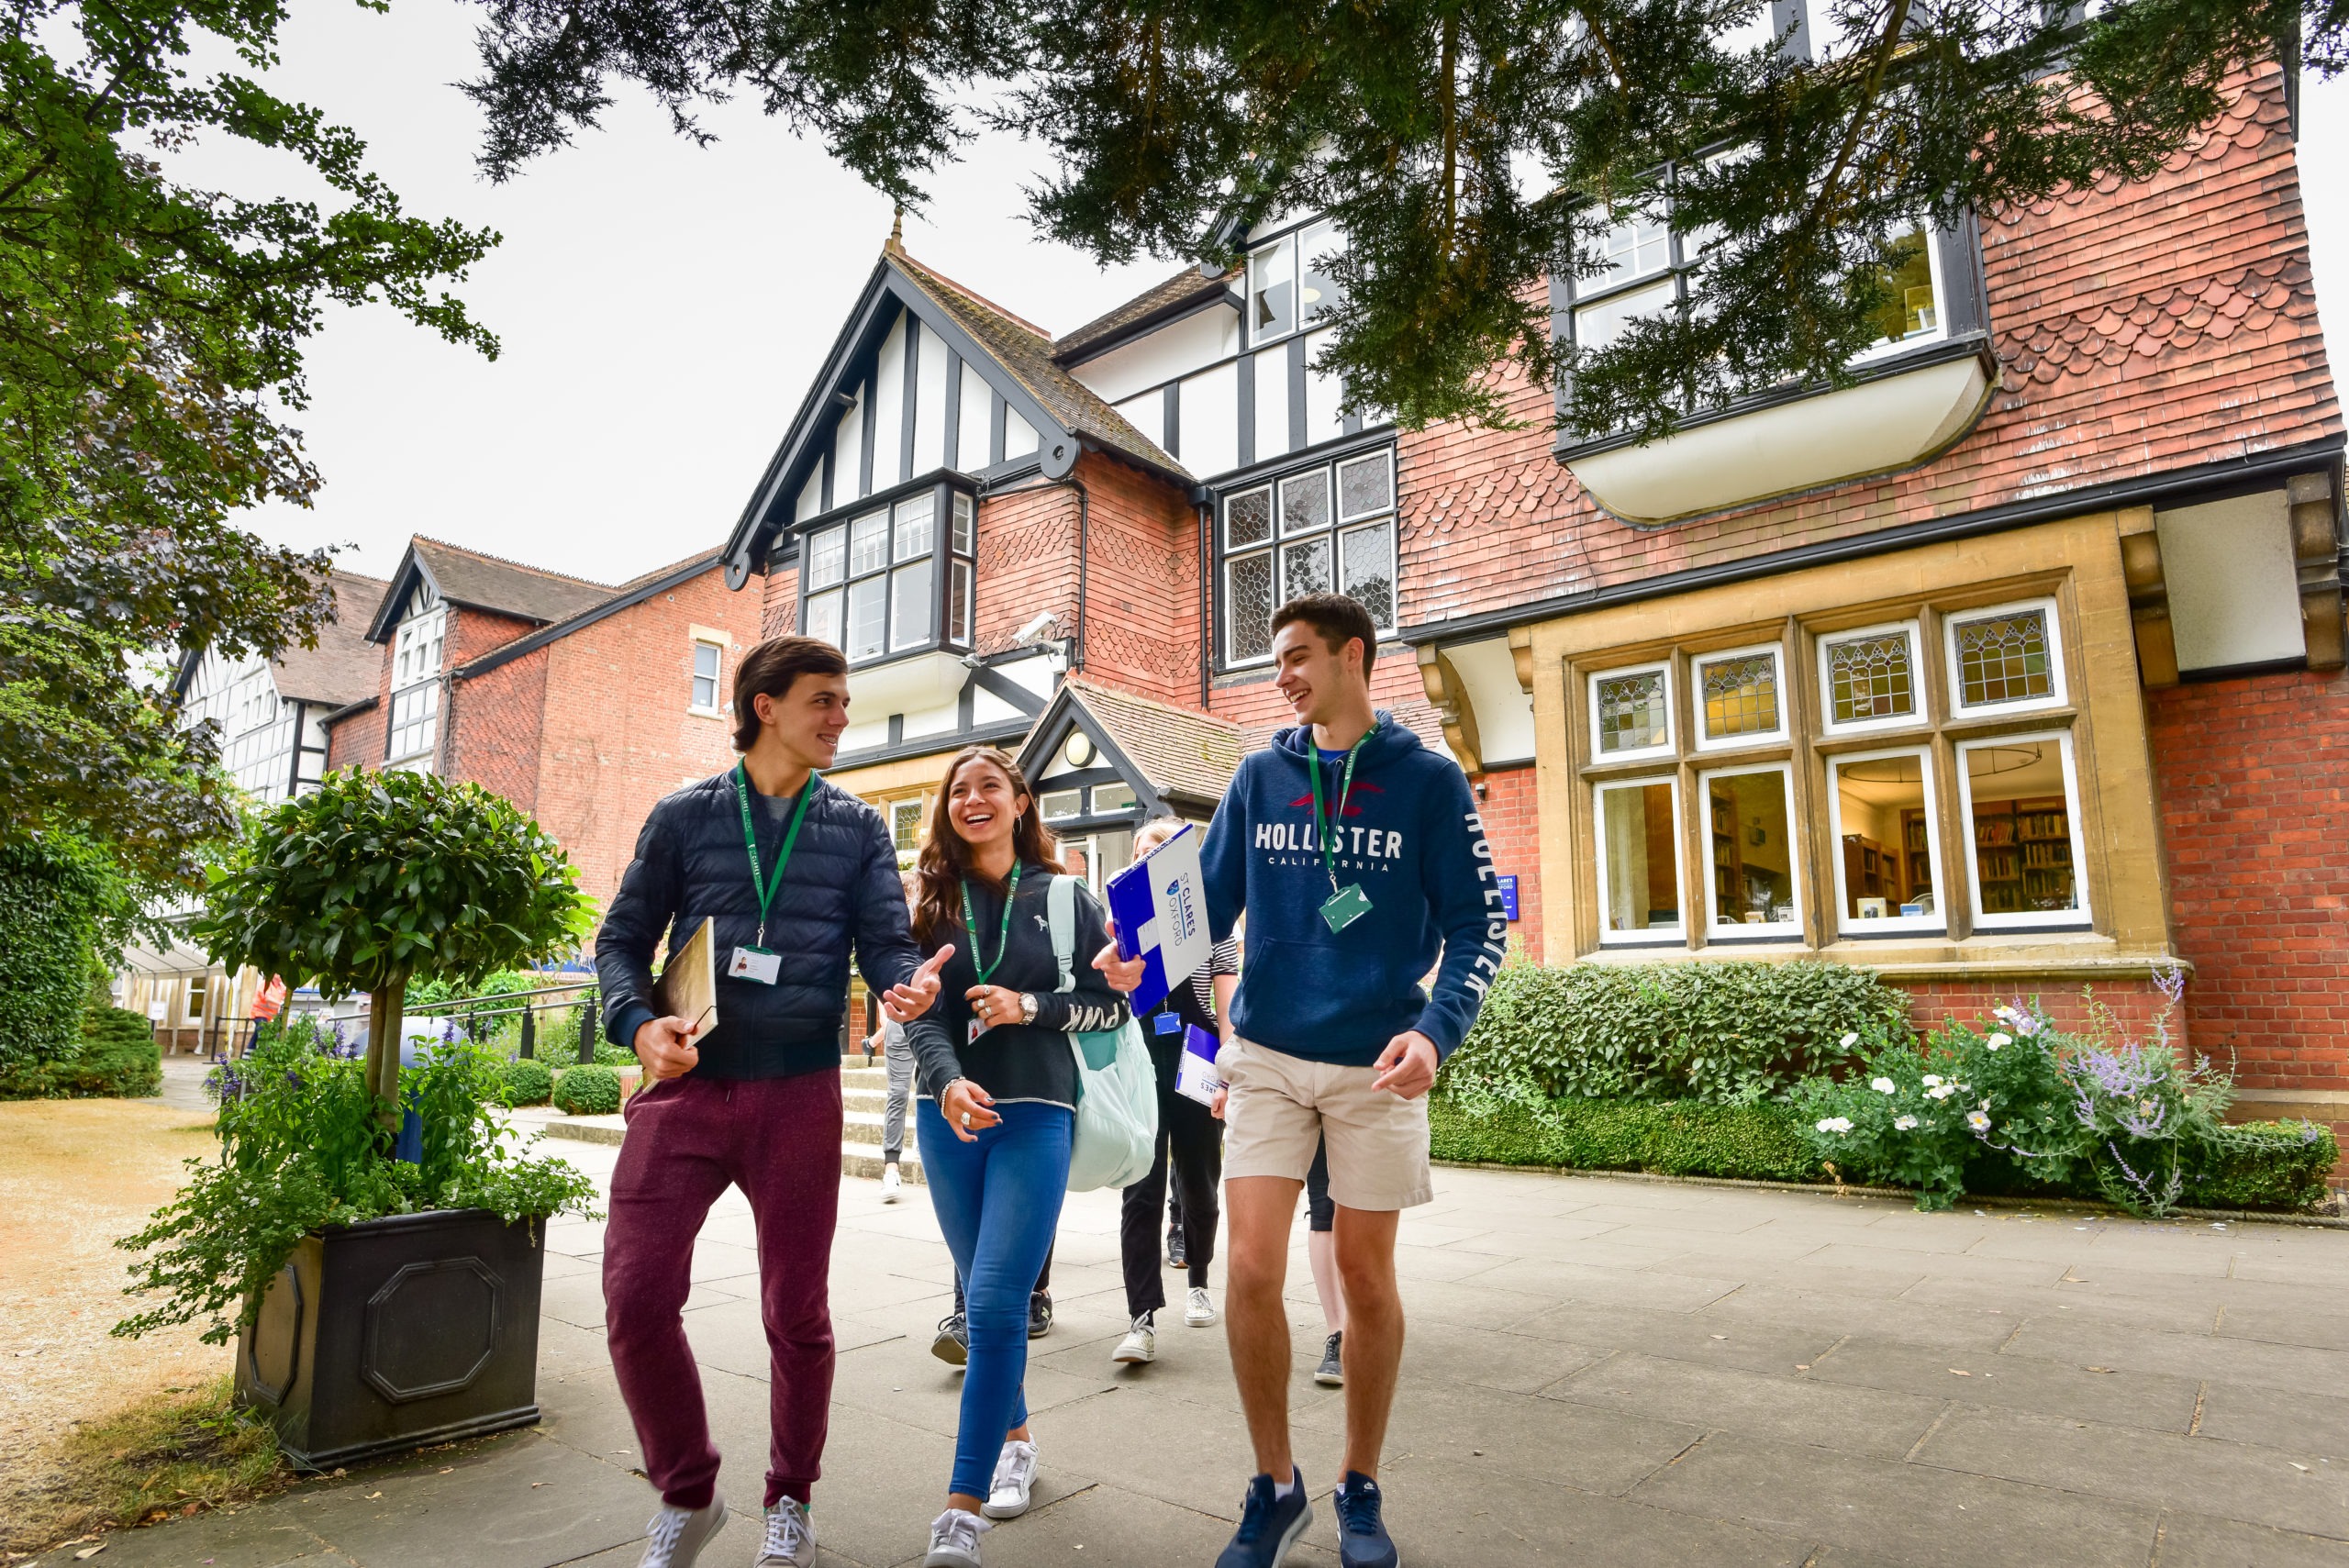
(1282, 1107)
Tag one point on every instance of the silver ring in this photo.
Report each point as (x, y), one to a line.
(966, 1122)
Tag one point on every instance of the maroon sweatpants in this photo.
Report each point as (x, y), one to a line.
(779, 1141)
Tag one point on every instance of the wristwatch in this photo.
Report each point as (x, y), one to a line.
(1026, 1006)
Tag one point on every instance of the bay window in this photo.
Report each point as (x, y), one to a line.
(887, 581)
(1325, 529)
(1883, 796)
(419, 648)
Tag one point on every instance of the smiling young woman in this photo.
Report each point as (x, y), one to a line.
(997, 1082)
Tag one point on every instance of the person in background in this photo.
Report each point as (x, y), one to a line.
(998, 1082)
(1322, 1253)
(1189, 1133)
(1360, 861)
(795, 873)
(898, 1058)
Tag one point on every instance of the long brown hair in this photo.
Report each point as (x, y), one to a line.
(946, 859)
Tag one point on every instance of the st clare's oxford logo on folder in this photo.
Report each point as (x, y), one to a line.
(1162, 916)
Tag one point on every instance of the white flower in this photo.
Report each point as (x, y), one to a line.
(1977, 1121)
(1882, 1085)
(1835, 1124)
(1996, 1040)
(1904, 1123)
(1850, 1039)
(1941, 1091)
(1932, 1079)
(2026, 1026)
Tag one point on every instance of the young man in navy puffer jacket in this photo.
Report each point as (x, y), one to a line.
(754, 1102)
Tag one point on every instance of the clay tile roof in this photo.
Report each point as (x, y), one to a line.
(1181, 751)
(1184, 287)
(492, 583)
(1024, 352)
(344, 666)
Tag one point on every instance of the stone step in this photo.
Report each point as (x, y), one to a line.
(874, 1100)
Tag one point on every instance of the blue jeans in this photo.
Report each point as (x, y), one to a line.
(998, 1202)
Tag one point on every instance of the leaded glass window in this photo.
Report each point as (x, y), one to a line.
(1739, 694)
(1304, 569)
(1635, 711)
(1248, 605)
(2003, 658)
(1348, 548)
(1871, 677)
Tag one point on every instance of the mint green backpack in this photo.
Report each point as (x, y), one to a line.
(1117, 1088)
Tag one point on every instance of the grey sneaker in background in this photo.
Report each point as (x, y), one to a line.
(675, 1537)
(791, 1536)
(1332, 1373)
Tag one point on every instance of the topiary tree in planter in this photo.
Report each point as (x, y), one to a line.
(377, 878)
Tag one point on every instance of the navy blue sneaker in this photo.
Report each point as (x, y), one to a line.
(1269, 1525)
(1362, 1542)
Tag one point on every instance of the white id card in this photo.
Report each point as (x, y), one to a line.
(756, 965)
(977, 1028)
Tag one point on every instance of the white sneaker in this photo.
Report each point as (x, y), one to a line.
(954, 1539)
(791, 1536)
(891, 1182)
(1015, 1476)
(1198, 1312)
(1140, 1344)
(675, 1537)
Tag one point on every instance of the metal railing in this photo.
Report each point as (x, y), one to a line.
(480, 1011)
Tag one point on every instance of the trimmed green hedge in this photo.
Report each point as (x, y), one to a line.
(2264, 1165)
(1679, 1138)
(49, 899)
(1729, 1032)
(116, 1058)
(528, 1083)
(587, 1090)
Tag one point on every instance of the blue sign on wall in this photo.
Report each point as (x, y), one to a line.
(1508, 896)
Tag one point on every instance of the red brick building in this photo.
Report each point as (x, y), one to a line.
(2016, 667)
(582, 703)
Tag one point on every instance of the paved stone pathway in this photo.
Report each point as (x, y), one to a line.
(1600, 1372)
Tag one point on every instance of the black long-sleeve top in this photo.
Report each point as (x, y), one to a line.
(1014, 1062)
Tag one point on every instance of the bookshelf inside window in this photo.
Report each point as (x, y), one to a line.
(2022, 855)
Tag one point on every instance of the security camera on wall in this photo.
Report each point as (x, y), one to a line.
(1037, 631)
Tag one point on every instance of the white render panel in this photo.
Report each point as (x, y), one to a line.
(988, 708)
(1271, 369)
(1148, 415)
(1504, 709)
(929, 405)
(1324, 421)
(1019, 435)
(1172, 352)
(932, 721)
(848, 453)
(1210, 421)
(2234, 589)
(811, 494)
(975, 425)
(866, 737)
(889, 409)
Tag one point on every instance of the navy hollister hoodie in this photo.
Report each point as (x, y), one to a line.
(1411, 836)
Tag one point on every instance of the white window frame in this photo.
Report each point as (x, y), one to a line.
(1666, 747)
(2058, 696)
(1919, 717)
(1333, 533)
(1767, 932)
(1885, 348)
(416, 759)
(1849, 925)
(1646, 936)
(2079, 916)
(717, 677)
(918, 803)
(1045, 812)
(1697, 663)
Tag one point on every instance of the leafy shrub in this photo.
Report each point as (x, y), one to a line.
(1731, 1033)
(612, 1056)
(116, 1058)
(2025, 1103)
(1683, 1137)
(302, 1147)
(528, 1083)
(589, 1090)
(49, 894)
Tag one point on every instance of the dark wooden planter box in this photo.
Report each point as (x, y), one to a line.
(412, 1330)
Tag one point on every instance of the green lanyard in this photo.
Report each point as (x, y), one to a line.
(766, 889)
(1325, 828)
(1002, 937)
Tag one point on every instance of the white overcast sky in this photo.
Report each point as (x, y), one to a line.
(662, 306)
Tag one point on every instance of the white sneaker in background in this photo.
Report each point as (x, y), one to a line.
(1015, 1476)
(1198, 1311)
(1139, 1345)
(891, 1182)
(954, 1539)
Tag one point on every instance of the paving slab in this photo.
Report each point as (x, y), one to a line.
(1590, 1449)
(2180, 1356)
(1757, 1347)
(1883, 1423)
(2148, 1401)
(2198, 1541)
(2312, 1419)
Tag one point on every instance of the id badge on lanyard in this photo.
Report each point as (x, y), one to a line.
(756, 963)
(1348, 903)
